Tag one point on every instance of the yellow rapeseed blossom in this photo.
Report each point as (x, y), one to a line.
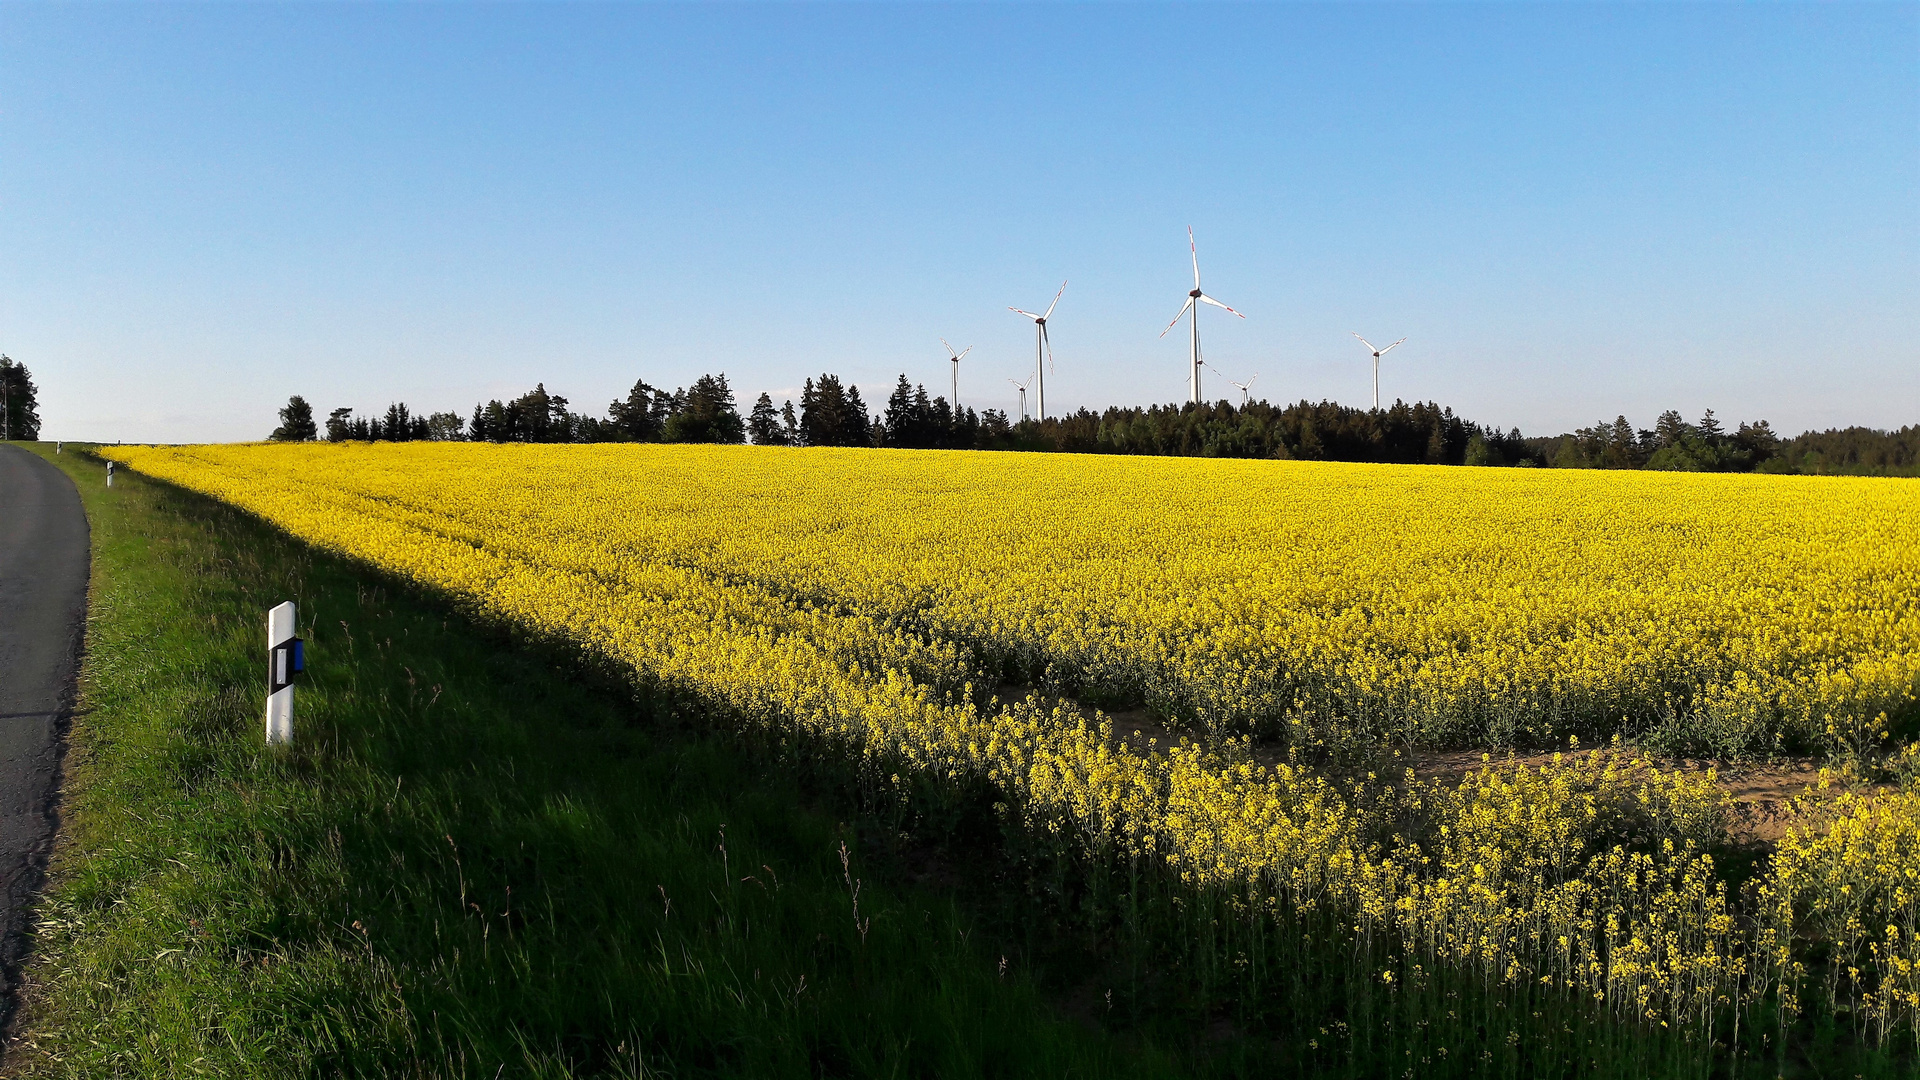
(875, 599)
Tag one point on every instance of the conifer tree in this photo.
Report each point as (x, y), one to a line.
(858, 429)
(296, 422)
(789, 424)
(705, 413)
(340, 425)
(763, 426)
(642, 415)
(19, 402)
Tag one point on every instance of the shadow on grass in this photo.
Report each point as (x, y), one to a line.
(477, 859)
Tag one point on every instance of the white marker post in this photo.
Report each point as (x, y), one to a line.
(109, 474)
(285, 658)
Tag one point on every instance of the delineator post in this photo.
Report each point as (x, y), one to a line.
(285, 658)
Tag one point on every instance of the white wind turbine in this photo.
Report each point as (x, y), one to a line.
(955, 399)
(1194, 299)
(1376, 364)
(1243, 387)
(1240, 386)
(1023, 397)
(1043, 351)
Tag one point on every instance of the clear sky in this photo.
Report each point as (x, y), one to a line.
(1570, 211)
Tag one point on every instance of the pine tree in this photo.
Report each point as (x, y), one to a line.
(1670, 430)
(858, 429)
(494, 423)
(901, 424)
(399, 423)
(296, 422)
(1623, 445)
(823, 408)
(642, 416)
(764, 425)
(705, 413)
(533, 412)
(19, 402)
(940, 422)
(340, 425)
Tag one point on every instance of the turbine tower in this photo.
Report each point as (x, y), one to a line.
(1042, 350)
(1023, 398)
(955, 399)
(1376, 364)
(1194, 299)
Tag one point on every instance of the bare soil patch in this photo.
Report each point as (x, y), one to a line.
(1762, 792)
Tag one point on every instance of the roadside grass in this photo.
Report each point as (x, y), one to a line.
(473, 862)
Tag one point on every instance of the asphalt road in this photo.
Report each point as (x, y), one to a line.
(43, 608)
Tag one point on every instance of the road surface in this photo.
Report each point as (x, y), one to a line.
(43, 606)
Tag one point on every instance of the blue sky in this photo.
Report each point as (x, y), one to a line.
(1571, 211)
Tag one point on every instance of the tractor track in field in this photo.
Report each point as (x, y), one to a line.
(1762, 792)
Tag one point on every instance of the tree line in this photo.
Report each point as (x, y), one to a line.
(833, 413)
(829, 413)
(19, 401)
(1707, 446)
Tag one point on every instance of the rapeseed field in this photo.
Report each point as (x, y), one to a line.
(1301, 630)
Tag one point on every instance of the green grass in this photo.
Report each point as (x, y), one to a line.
(472, 862)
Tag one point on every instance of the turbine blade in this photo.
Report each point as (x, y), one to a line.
(1046, 341)
(1028, 314)
(963, 353)
(1056, 300)
(1365, 342)
(1195, 252)
(1389, 348)
(1221, 306)
(955, 355)
(1177, 318)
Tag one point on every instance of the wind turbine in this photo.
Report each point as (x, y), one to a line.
(1023, 398)
(1376, 364)
(955, 399)
(1194, 299)
(1243, 387)
(1240, 386)
(1042, 349)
